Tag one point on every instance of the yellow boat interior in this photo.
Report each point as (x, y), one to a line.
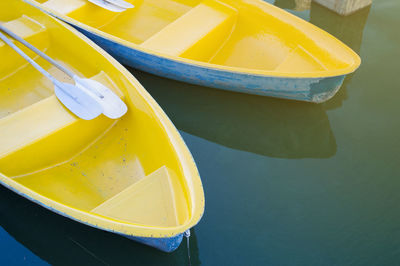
(134, 175)
(246, 35)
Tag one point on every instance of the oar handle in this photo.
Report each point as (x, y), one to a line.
(32, 62)
(37, 51)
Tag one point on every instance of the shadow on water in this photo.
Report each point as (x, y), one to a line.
(297, 5)
(300, 8)
(61, 241)
(286, 4)
(348, 29)
(261, 125)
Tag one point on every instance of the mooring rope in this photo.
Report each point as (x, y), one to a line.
(187, 235)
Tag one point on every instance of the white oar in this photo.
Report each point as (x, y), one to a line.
(107, 5)
(75, 99)
(121, 3)
(113, 106)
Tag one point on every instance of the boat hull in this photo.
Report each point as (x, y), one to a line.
(166, 244)
(302, 89)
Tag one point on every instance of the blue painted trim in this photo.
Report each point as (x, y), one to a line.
(164, 244)
(302, 89)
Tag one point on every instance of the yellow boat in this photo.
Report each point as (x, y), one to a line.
(133, 176)
(247, 46)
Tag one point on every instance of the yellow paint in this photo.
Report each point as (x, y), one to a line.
(155, 190)
(78, 167)
(248, 36)
(198, 43)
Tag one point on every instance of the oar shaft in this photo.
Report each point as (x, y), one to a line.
(121, 3)
(45, 56)
(30, 60)
(107, 5)
(25, 56)
(37, 51)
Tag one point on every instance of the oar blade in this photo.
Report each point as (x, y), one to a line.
(77, 101)
(113, 106)
(107, 5)
(121, 3)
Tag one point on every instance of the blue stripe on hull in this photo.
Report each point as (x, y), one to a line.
(302, 89)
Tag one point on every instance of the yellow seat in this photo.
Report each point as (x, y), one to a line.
(149, 201)
(197, 34)
(299, 56)
(24, 26)
(65, 6)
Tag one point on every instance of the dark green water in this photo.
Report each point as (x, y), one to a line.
(286, 183)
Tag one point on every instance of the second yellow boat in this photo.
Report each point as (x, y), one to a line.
(240, 45)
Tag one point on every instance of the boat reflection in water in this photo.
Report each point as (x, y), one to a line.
(297, 5)
(61, 241)
(300, 8)
(261, 125)
(348, 29)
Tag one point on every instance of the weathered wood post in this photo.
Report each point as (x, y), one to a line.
(344, 7)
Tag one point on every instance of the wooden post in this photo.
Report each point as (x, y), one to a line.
(344, 7)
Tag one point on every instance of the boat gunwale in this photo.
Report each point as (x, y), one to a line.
(184, 157)
(255, 72)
